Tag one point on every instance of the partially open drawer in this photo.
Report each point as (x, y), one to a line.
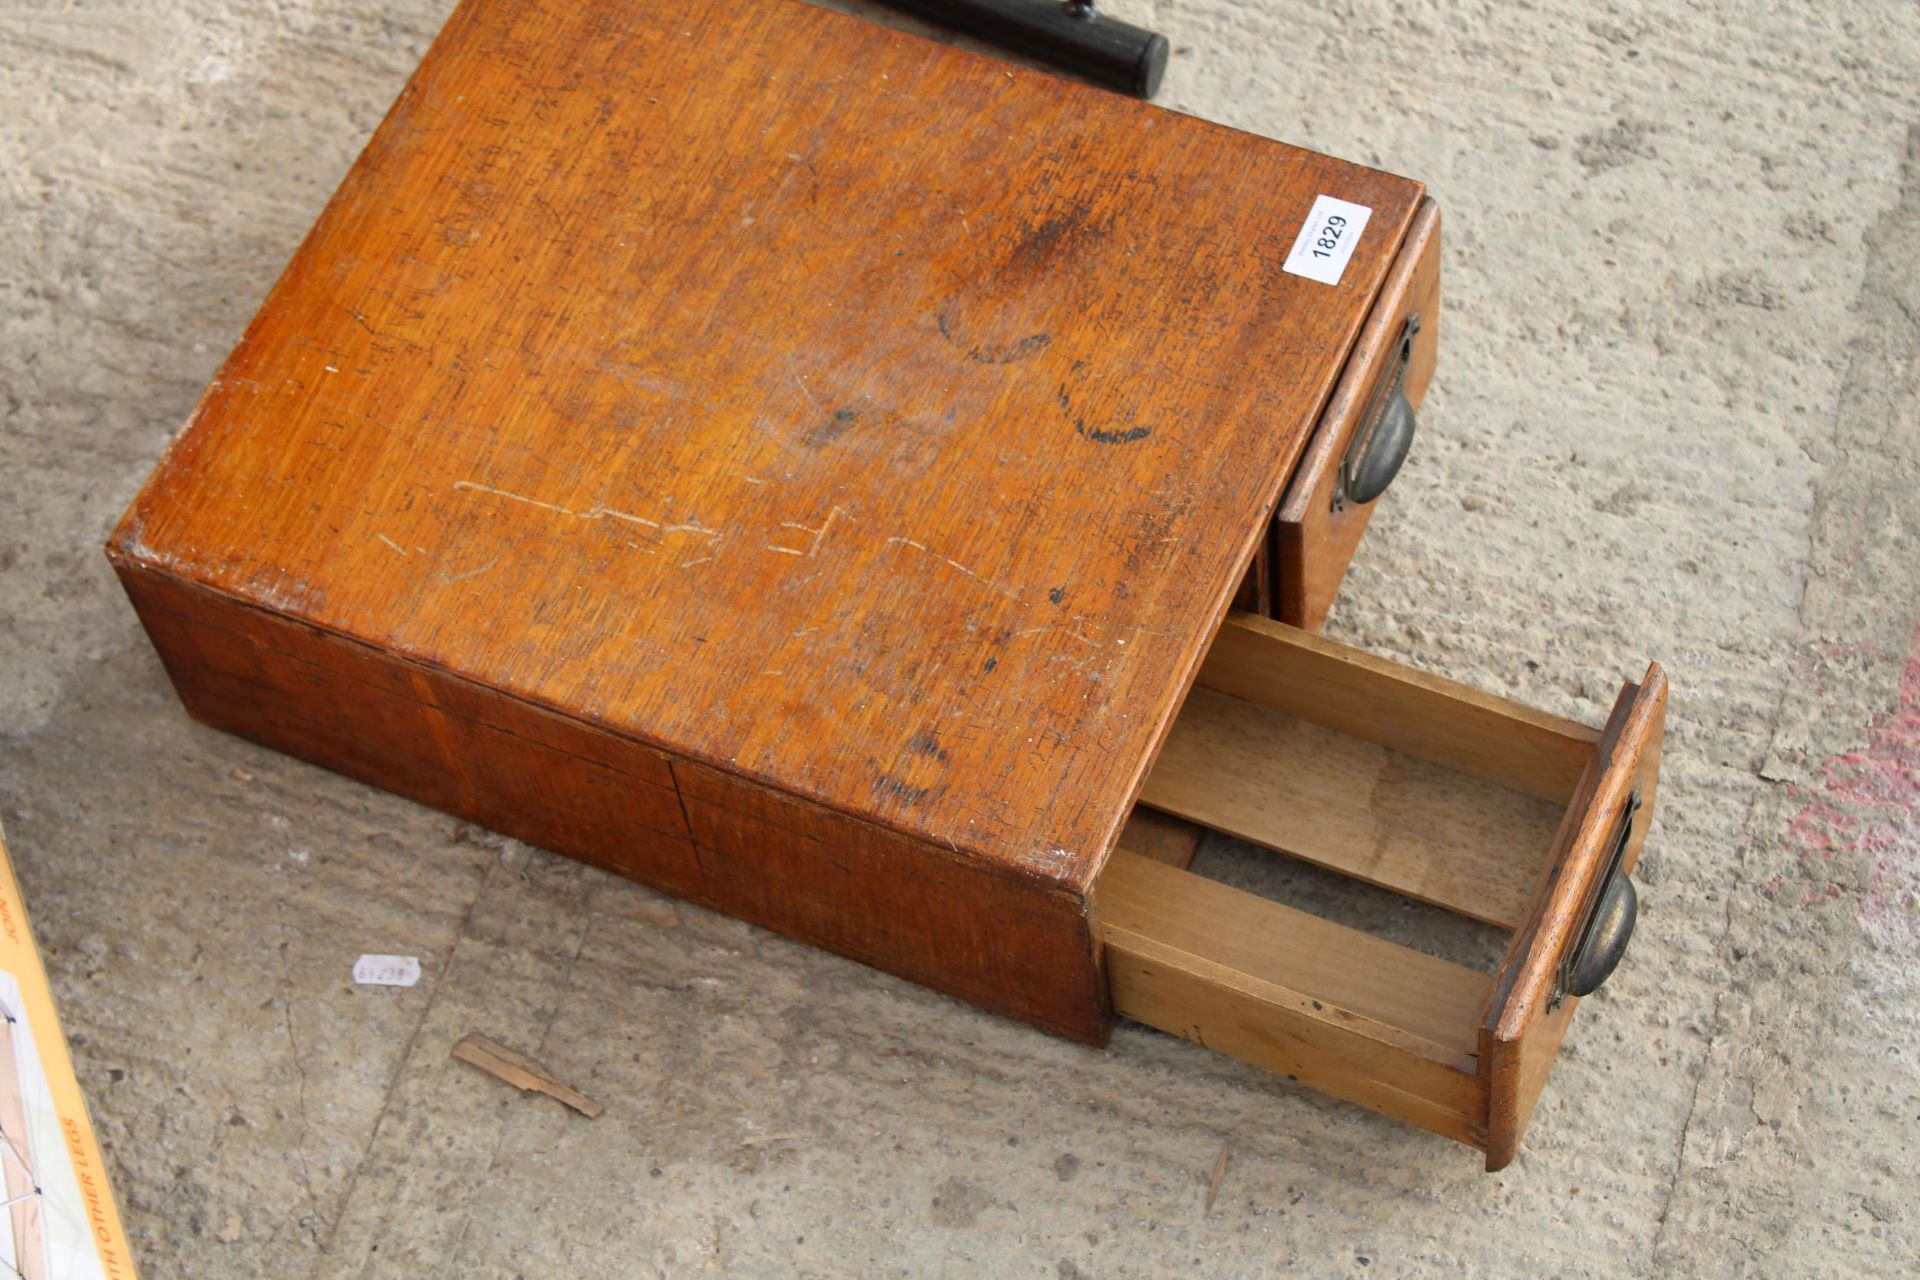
(1426, 787)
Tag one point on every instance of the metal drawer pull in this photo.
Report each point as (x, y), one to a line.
(1603, 941)
(1379, 448)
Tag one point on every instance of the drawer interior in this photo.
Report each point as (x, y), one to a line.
(1379, 815)
(1440, 793)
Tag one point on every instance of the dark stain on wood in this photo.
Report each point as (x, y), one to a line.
(992, 352)
(927, 745)
(833, 428)
(901, 790)
(1098, 436)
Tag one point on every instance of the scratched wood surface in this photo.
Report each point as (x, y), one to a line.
(852, 416)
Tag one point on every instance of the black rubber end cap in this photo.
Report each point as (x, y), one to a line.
(1151, 66)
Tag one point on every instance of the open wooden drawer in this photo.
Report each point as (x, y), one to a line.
(1467, 801)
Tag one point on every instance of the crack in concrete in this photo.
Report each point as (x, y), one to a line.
(405, 1057)
(560, 989)
(1880, 355)
(300, 1068)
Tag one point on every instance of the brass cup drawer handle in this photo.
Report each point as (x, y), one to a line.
(1380, 447)
(1609, 927)
(1607, 939)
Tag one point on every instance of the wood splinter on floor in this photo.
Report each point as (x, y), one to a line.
(522, 1072)
(1213, 1187)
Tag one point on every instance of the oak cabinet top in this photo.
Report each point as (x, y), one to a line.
(853, 414)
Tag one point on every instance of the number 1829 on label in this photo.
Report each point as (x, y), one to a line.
(1327, 238)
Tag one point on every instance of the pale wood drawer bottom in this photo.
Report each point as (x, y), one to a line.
(1434, 790)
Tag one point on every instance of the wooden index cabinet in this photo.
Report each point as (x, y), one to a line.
(805, 468)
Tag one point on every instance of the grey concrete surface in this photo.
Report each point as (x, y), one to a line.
(1677, 416)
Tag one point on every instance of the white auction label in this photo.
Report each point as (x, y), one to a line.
(386, 971)
(1325, 243)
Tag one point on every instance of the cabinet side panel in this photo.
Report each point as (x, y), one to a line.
(1013, 945)
(420, 733)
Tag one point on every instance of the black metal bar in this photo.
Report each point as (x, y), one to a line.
(1067, 33)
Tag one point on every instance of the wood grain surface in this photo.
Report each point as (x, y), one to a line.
(1161, 836)
(1333, 1007)
(1352, 806)
(1399, 707)
(848, 413)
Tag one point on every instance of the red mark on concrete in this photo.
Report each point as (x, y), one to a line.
(1868, 804)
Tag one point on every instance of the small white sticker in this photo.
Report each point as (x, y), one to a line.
(1325, 243)
(386, 971)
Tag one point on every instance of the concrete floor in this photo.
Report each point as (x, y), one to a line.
(1677, 416)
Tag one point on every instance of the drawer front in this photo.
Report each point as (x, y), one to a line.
(1531, 1006)
(1317, 527)
(1436, 791)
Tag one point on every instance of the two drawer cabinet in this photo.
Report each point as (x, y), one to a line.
(811, 470)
